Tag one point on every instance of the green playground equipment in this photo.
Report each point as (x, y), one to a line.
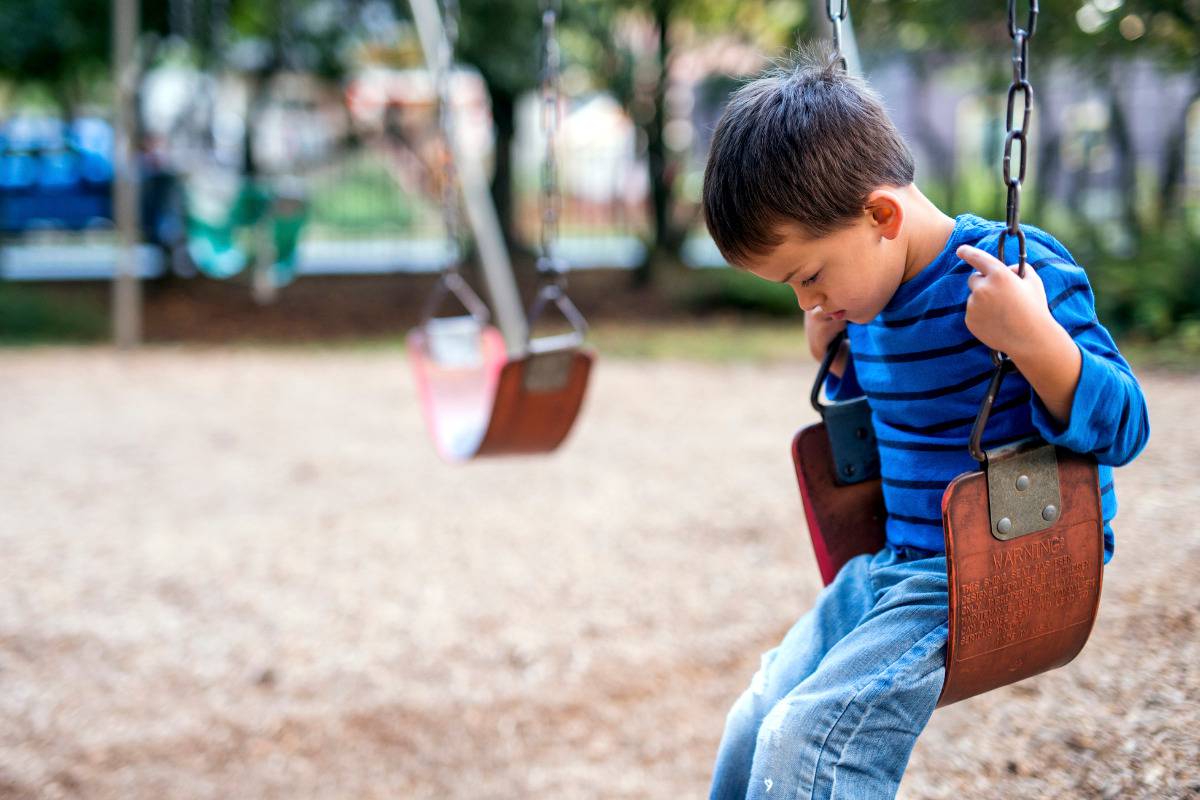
(228, 224)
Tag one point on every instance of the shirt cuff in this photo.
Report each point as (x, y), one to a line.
(1079, 434)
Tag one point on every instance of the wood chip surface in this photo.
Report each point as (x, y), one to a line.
(244, 573)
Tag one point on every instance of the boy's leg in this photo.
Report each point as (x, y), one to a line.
(838, 608)
(848, 729)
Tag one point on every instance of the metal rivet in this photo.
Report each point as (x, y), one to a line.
(848, 469)
(1049, 513)
(861, 433)
(1022, 483)
(1004, 525)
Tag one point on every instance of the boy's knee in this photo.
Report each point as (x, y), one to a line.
(743, 717)
(801, 719)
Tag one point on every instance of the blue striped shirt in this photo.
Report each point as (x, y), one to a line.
(925, 376)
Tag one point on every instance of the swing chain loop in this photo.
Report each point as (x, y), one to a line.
(549, 265)
(831, 352)
(837, 11)
(1030, 20)
(1020, 56)
(1003, 366)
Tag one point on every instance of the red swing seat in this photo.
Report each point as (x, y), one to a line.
(477, 402)
(1024, 542)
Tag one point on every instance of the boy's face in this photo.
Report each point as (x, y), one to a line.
(849, 274)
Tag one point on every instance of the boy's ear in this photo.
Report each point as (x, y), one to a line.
(886, 212)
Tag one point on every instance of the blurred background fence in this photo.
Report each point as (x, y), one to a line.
(299, 137)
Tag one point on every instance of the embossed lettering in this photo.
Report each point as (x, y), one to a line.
(1027, 582)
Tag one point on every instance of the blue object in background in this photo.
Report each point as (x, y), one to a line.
(59, 177)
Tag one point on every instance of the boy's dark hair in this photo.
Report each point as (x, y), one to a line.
(805, 143)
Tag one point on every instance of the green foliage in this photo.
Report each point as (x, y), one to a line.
(723, 340)
(502, 39)
(363, 197)
(1153, 294)
(729, 289)
(54, 43)
(28, 316)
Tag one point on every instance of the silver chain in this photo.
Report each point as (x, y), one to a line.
(551, 268)
(837, 11)
(549, 265)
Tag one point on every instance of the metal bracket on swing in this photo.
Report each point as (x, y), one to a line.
(1024, 496)
(848, 425)
(550, 357)
(1024, 493)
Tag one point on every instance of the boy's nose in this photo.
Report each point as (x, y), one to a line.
(807, 300)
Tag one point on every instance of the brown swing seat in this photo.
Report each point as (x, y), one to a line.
(1024, 552)
(479, 402)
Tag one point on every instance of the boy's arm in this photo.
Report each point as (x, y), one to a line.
(1087, 398)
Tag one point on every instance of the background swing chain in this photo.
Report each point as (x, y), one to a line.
(1020, 86)
(451, 220)
(550, 266)
(837, 11)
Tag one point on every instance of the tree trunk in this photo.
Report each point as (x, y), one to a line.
(942, 160)
(1048, 164)
(1170, 202)
(504, 105)
(656, 153)
(1126, 158)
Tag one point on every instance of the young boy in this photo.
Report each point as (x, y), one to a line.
(809, 184)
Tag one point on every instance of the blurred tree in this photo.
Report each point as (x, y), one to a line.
(1099, 38)
(503, 40)
(54, 44)
(636, 67)
(260, 39)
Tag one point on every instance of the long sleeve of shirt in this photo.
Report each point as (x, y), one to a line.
(1108, 414)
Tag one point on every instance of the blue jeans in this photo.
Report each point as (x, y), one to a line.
(836, 708)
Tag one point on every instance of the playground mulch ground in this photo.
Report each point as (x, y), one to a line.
(243, 573)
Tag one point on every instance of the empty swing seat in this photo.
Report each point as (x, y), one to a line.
(478, 402)
(843, 520)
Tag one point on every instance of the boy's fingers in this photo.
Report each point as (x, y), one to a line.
(981, 260)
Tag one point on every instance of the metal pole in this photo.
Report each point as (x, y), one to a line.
(127, 292)
(481, 214)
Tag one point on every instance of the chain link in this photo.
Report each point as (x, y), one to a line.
(837, 11)
(1017, 136)
(550, 266)
(1030, 20)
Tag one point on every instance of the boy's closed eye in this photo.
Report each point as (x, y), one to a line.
(811, 279)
